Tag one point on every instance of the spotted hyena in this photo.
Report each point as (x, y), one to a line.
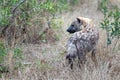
(83, 40)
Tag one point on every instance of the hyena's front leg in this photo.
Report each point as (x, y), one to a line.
(70, 60)
(71, 63)
(81, 59)
(93, 57)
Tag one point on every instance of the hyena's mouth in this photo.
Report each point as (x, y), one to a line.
(71, 31)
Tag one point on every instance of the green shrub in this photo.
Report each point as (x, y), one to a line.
(2, 52)
(18, 57)
(111, 22)
(56, 25)
(54, 6)
(18, 53)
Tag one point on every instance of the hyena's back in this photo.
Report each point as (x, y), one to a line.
(87, 39)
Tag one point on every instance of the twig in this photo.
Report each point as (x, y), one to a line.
(18, 6)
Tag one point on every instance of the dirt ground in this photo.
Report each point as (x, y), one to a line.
(47, 61)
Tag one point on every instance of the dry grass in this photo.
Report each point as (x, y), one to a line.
(47, 61)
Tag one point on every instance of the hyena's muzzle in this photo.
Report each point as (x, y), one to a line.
(79, 24)
(75, 26)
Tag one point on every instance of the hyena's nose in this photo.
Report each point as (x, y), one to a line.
(68, 30)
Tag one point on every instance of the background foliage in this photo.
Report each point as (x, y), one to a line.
(28, 21)
(111, 22)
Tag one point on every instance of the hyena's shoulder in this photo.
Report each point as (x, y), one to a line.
(89, 34)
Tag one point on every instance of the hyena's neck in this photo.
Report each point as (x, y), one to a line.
(86, 22)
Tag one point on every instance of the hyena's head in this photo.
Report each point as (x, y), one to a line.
(79, 24)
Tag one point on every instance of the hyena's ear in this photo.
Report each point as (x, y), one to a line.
(79, 20)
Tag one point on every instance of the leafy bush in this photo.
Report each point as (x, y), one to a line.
(18, 53)
(8, 8)
(16, 16)
(111, 22)
(2, 52)
(54, 6)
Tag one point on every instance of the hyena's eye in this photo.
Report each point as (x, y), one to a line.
(74, 28)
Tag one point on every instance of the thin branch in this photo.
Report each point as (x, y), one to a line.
(18, 6)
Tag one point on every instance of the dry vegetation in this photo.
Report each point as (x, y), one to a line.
(46, 61)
